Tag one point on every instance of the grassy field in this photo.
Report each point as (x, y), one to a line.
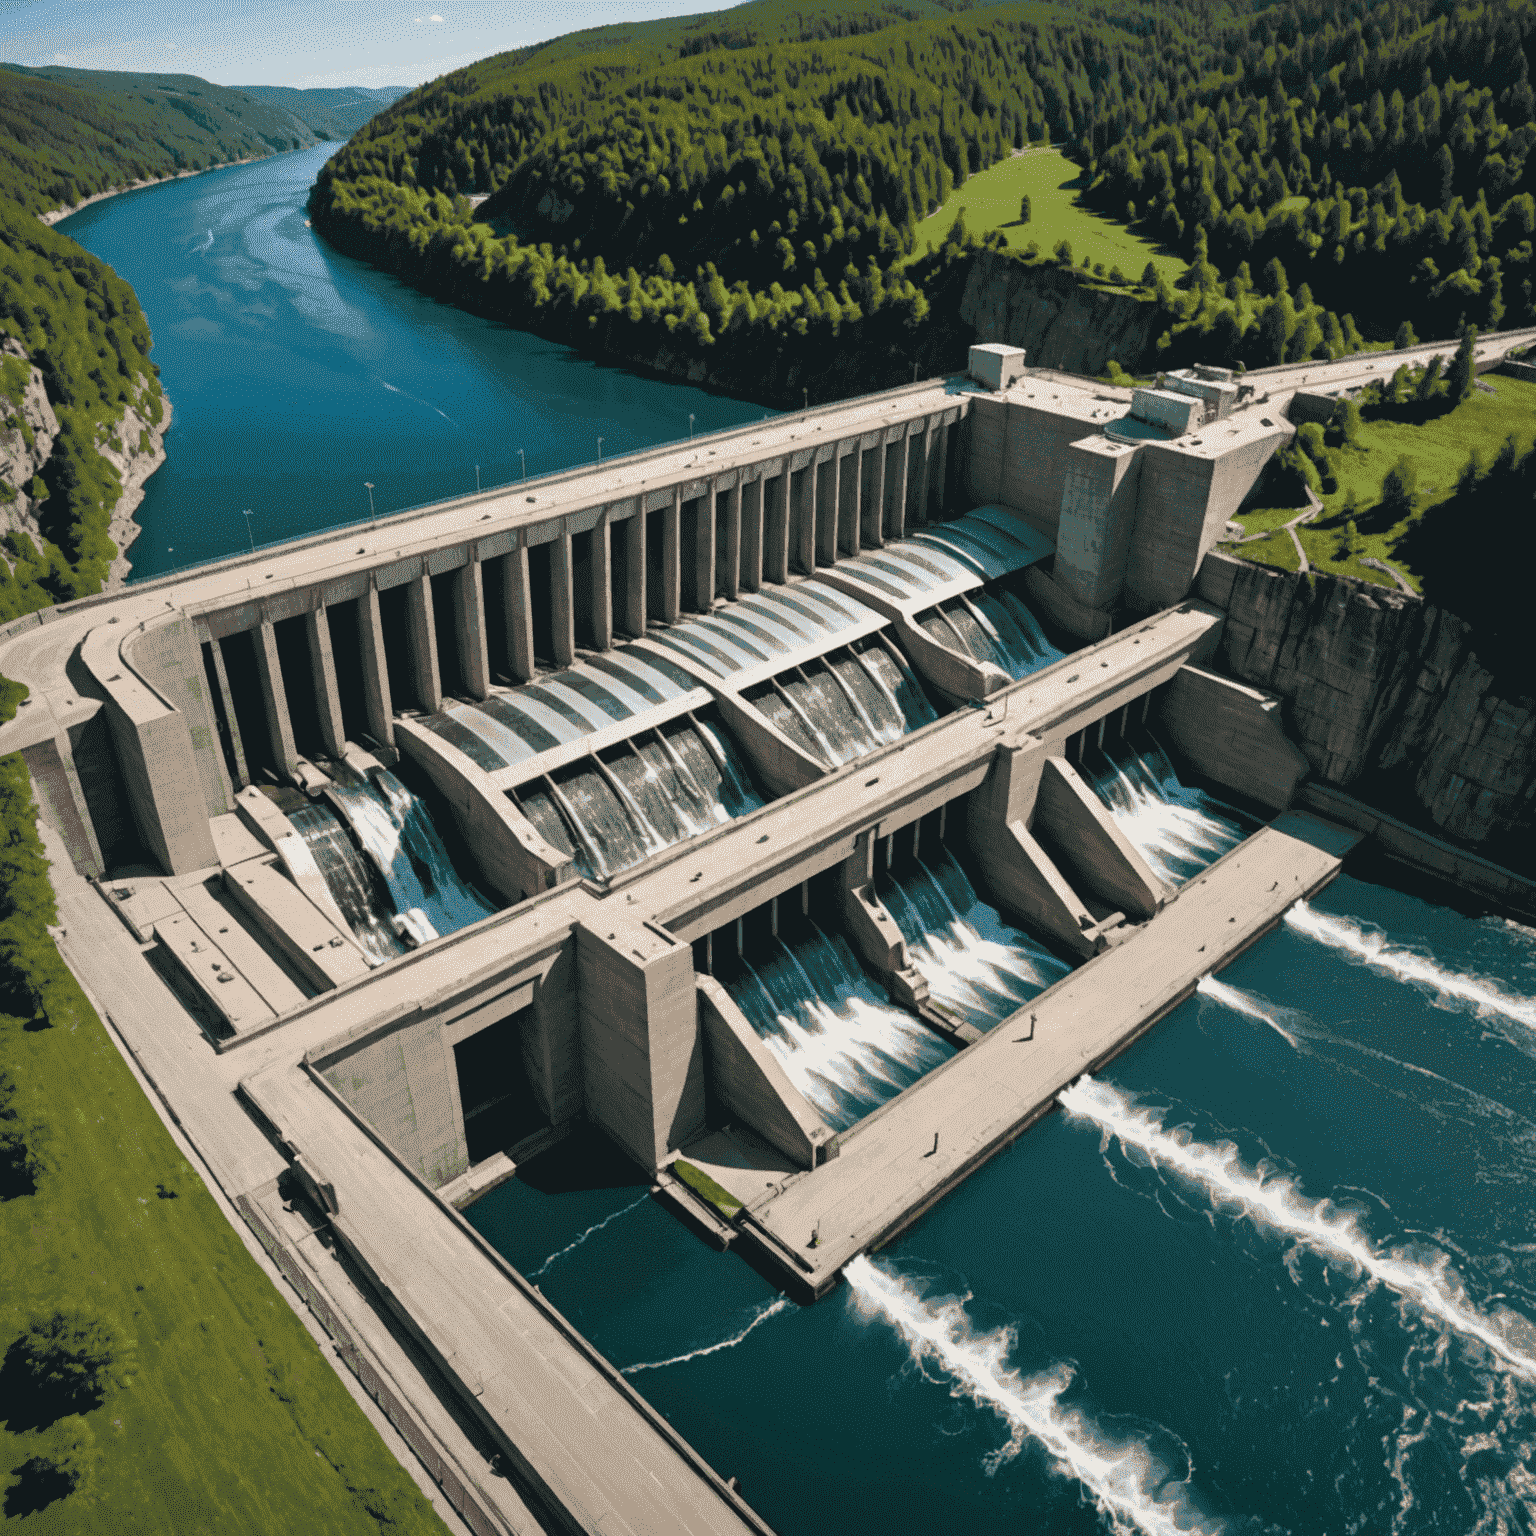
(1437, 448)
(231, 1419)
(991, 201)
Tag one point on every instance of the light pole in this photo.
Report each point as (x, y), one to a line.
(599, 452)
(251, 536)
(369, 484)
(477, 479)
(805, 396)
(523, 458)
(690, 426)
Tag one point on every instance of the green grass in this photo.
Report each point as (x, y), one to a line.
(232, 1421)
(701, 1184)
(991, 201)
(1437, 448)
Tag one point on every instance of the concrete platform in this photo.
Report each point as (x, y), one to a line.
(581, 1439)
(888, 1172)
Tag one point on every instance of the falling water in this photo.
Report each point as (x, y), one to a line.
(395, 830)
(1123, 1478)
(653, 791)
(992, 626)
(846, 703)
(1177, 830)
(1277, 1203)
(351, 881)
(977, 967)
(1370, 947)
(843, 1045)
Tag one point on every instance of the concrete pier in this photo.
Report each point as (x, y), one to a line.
(886, 1173)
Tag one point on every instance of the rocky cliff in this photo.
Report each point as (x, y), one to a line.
(135, 448)
(1387, 697)
(1049, 312)
(26, 439)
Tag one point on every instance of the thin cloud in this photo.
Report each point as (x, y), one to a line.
(421, 21)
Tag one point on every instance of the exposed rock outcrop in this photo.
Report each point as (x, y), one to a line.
(1049, 312)
(24, 446)
(134, 447)
(141, 454)
(1383, 689)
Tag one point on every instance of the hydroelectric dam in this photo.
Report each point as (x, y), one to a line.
(804, 807)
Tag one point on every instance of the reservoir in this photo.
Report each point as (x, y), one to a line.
(296, 374)
(1272, 1270)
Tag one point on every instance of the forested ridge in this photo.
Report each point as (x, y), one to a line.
(747, 183)
(65, 135)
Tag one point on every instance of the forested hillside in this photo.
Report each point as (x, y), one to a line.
(333, 113)
(745, 185)
(68, 133)
(75, 342)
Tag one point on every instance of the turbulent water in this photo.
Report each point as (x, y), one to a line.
(659, 788)
(979, 968)
(383, 860)
(844, 1046)
(1274, 1270)
(1178, 830)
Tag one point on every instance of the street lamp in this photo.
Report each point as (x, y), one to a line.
(477, 479)
(251, 536)
(369, 484)
(523, 458)
(599, 451)
(690, 426)
(805, 396)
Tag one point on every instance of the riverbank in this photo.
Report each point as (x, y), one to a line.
(141, 454)
(54, 215)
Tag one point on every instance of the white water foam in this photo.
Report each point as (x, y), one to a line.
(1277, 1203)
(772, 1309)
(597, 1226)
(1247, 1004)
(1374, 950)
(1122, 1478)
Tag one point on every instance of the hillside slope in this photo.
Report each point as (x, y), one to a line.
(331, 113)
(752, 179)
(66, 134)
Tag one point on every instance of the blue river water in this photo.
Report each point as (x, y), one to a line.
(1267, 1307)
(296, 374)
(1274, 1271)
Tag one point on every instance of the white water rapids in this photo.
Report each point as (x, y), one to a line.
(1123, 1478)
(1277, 1203)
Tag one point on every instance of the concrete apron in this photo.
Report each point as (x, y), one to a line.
(896, 1163)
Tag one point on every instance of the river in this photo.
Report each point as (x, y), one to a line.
(1275, 1270)
(1296, 1294)
(296, 374)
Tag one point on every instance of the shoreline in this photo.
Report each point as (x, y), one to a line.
(55, 215)
(123, 529)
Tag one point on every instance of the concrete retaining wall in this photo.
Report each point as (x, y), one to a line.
(746, 1080)
(1233, 734)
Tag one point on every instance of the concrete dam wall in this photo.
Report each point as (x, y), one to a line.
(802, 808)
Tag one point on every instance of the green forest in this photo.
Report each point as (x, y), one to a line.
(748, 185)
(65, 135)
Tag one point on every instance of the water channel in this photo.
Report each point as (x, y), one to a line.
(296, 374)
(1274, 1270)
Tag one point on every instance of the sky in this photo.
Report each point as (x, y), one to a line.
(299, 42)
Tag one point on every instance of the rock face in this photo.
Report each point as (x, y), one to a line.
(135, 448)
(21, 459)
(1049, 313)
(1380, 684)
(141, 454)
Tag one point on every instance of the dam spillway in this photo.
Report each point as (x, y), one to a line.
(740, 801)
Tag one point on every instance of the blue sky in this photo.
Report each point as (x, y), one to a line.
(298, 42)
